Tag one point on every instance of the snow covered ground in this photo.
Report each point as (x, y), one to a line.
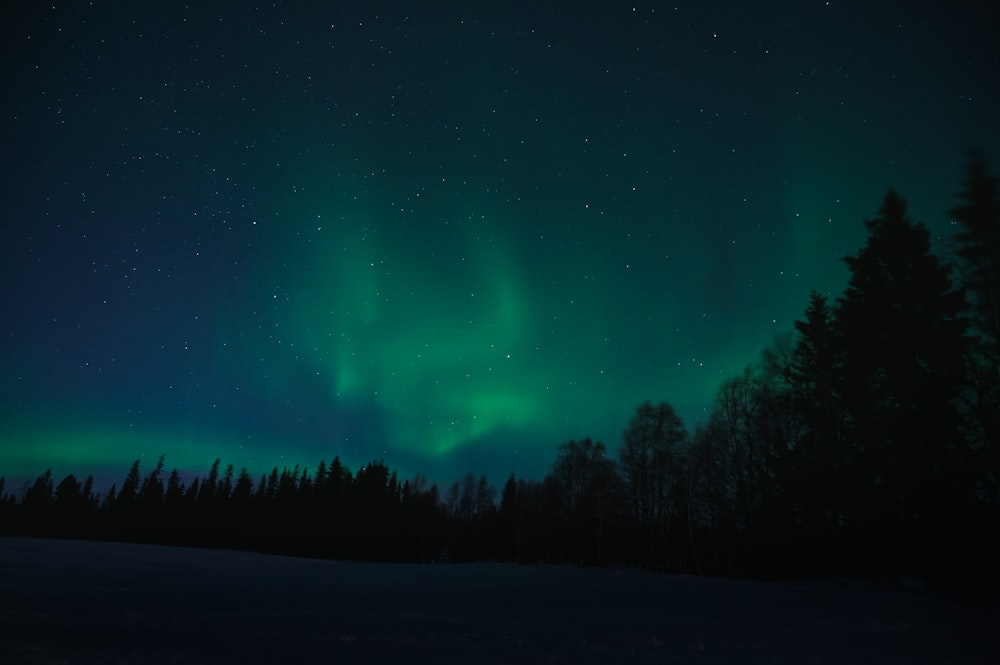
(83, 602)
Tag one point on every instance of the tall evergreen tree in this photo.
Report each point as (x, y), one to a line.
(175, 489)
(820, 456)
(226, 484)
(40, 495)
(209, 487)
(510, 521)
(130, 486)
(814, 367)
(151, 491)
(68, 495)
(242, 493)
(903, 341)
(87, 491)
(978, 249)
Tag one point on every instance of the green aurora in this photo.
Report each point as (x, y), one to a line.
(451, 239)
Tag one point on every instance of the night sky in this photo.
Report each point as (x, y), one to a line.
(447, 235)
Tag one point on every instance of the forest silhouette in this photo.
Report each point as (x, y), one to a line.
(864, 444)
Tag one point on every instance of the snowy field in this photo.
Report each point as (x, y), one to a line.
(81, 602)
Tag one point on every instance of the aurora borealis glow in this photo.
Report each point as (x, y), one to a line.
(449, 235)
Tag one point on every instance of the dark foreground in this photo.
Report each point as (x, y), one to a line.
(84, 602)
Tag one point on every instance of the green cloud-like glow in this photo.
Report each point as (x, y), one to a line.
(440, 336)
(450, 244)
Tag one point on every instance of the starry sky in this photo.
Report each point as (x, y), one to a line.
(450, 235)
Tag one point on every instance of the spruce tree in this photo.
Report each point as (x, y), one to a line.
(902, 335)
(819, 457)
(978, 250)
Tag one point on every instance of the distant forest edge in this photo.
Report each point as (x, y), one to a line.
(864, 444)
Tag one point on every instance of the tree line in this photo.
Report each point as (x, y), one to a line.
(862, 443)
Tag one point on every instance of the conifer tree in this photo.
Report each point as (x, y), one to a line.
(175, 489)
(819, 455)
(40, 495)
(130, 486)
(978, 249)
(901, 332)
(151, 492)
